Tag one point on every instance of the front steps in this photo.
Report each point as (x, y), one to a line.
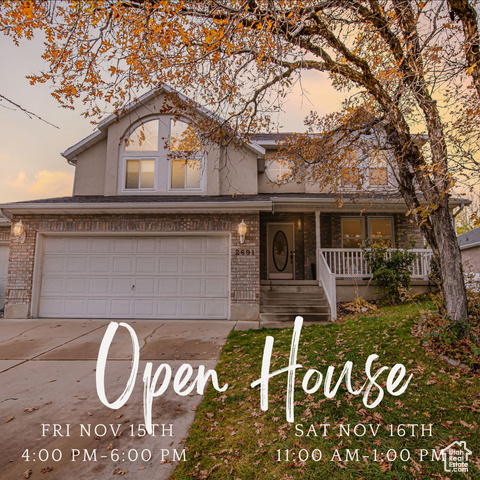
(283, 300)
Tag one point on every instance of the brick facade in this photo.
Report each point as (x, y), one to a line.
(5, 234)
(248, 261)
(245, 284)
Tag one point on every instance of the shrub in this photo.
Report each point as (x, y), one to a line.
(391, 270)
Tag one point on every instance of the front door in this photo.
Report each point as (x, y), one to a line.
(281, 251)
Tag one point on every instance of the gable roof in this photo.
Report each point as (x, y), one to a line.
(102, 128)
(469, 239)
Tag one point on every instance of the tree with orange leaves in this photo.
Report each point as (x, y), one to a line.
(409, 60)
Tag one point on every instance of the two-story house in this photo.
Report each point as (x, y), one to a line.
(163, 223)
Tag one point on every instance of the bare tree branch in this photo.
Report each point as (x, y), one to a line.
(27, 112)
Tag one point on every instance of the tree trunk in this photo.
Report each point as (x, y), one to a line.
(450, 261)
(437, 228)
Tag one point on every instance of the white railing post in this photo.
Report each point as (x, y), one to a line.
(327, 280)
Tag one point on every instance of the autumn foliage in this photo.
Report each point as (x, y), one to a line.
(411, 68)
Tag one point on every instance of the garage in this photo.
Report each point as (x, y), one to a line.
(4, 250)
(184, 276)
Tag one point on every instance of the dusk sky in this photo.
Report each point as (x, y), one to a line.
(30, 149)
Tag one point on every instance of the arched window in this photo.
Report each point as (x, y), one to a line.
(162, 154)
(141, 155)
(186, 156)
(144, 138)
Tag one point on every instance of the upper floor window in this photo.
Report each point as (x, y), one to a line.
(144, 138)
(139, 174)
(350, 173)
(350, 177)
(279, 170)
(161, 155)
(185, 156)
(378, 169)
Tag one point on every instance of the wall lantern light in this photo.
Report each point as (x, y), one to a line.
(299, 224)
(242, 230)
(19, 231)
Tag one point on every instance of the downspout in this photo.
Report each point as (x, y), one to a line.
(460, 209)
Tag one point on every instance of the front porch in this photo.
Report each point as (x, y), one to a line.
(344, 272)
(303, 249)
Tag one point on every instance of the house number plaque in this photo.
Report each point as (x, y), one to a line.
(244, 252)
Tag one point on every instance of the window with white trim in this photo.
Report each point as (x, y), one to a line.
(144, 138)
(378, 169)
(350, 173)
(139, 173)
(162, 154)
(185, 156)
(279, 170)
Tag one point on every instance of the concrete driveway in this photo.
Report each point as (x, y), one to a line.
(47, 376)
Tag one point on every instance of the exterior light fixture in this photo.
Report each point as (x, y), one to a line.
(242, 231)
(299, 224)
(19, 231)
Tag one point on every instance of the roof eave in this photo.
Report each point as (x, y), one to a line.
(137, 208)
(469, 245)
(71, 153)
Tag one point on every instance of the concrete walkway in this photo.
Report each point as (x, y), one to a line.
(47, 376)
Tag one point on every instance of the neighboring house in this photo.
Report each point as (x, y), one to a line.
(469, 244)
(163, 224)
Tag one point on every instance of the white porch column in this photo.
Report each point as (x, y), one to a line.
(318, 242)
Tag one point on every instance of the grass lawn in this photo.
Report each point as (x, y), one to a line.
(232, 438)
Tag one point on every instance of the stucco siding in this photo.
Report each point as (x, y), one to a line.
(471, 259)
(238, 171)
(90, 170)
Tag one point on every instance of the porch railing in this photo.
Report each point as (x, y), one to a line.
(350, 263)
(328, 282)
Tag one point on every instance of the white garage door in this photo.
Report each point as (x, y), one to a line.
(4, 249)
(135, 277)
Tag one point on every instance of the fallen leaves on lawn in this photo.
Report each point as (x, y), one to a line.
(31, 409)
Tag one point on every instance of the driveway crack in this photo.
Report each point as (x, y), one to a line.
(151, 335)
